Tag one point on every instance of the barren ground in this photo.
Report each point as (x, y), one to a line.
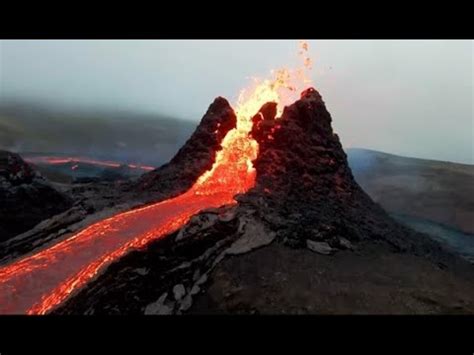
(372, 280)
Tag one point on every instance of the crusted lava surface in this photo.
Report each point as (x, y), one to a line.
(305, 198)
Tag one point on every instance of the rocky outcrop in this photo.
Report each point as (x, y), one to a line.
(305, 189)
(195, 157)
(305, 197)
(26, 198)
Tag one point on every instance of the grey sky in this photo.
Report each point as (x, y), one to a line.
(412, 98)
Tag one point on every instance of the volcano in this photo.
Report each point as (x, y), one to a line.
(292, 232)
(258, 212)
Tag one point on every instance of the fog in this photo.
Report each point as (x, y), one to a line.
(412, 98)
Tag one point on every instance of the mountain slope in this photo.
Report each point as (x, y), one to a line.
(107, 134)
(438, 191)
(305, 213)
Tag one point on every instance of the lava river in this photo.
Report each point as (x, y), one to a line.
(56, 160)
(37, 283)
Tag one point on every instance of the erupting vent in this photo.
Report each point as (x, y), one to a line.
(233, 170)
(40, 282)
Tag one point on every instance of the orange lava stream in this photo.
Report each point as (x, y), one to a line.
(41, 281)
(64, 160)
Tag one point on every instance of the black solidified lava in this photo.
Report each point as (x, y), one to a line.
(305, 197)
(26, 197)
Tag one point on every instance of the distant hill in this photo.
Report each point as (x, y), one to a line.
(439, 191)
(116, 135)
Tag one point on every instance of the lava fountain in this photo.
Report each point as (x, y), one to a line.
(39, 282)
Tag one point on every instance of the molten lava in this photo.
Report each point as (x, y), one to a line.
(37, 283)
(53, 160)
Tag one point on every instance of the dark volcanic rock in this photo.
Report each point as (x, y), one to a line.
(95, 194)
(26, 198)
(196, 156)
(305, 188)
(138, 283)
(374, 280)
(305, 197)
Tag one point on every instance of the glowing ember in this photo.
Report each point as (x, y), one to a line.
(65, 160)
(39, 282)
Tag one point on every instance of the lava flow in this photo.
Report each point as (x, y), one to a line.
(39, 282)
(55, 160)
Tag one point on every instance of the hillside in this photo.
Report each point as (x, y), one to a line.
(103, 134)
(439, 191)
